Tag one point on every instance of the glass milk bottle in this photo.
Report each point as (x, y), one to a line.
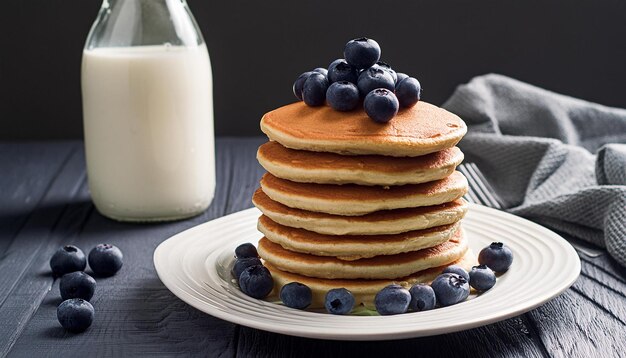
(148, 112)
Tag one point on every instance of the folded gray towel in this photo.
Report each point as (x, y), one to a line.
(535, 148)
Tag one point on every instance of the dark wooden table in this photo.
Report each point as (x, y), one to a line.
(44, 203)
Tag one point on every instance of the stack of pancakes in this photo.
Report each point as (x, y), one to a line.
(348, 202)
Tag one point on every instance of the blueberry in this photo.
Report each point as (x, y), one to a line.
(450, 289)
(75, 314)
(496, 256)
(241, 264)
(321, 70)
(256, 281)
(314, 89)
(400, 76)
(482, 278)
(296, 295)
(385, 66)
(246, 250)
(457, 270)
(408, 91)
(77, 284)
(68, 258)
(299, 84)
(340, 70)
(422, 298)
(362, 52)
(393, 299)
(381, 105)
(373, 78)
(339, 301)
(342, 96)
(105, 259)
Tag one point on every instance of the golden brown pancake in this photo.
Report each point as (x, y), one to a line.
(380, 222)
(331, 168)
(353, 200)
(353, 247)
(414, 131)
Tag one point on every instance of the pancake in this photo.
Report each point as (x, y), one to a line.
(414, 131)
(378, 267)
(353, 247)
(353, 200)
(380, 222)
(331, 168)
(364, 291)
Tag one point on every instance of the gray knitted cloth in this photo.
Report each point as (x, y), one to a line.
(553, 159)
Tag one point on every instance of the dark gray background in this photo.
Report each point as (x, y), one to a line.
(259, 47)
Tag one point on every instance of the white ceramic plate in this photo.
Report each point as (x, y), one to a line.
(194, 265)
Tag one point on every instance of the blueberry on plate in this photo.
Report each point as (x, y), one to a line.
(342, 96)
(75, 314)
(381, 105)
(408, 92)
(246, 250)
(400, 76)
(422, 297)
(321, 70)
(298, 85)
(482, 278)
(241, 264)
(340, 70)
(339, 301)
(256, 281)
(373, 78)
(105, 259)
(68, 258)
(450, 289)
(496, 256)
(77, 284)
(385, 66)
(314, 89)
(296, 295)
(362, 52)
(457, 270)
(393, 299)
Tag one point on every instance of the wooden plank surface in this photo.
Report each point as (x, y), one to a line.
(44, 203)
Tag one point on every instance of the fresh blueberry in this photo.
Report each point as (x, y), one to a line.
(422, 298)
(373, 78)
(385, 66)
(77, 284)
(246, 250)
(75, 314)
(482, 278)
(340, 70)
(339, 301)
(408, 91)
(362, 52)
(393, 299)
(496, 256)
(400, 76)
(314, 89)
(450, 289)
(381, 105)
(457, 270)
(296, 295)
(105, 259)
(298, 85)
(68, 258)
(321, 70)
(342, 96)
(256, 281)
(241, 264)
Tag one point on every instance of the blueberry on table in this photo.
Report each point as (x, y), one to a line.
(482, 278)
(246, 250)
(450, 289)
(400, 76)
(381, 105)
(75, 314)
(362, 52)
(373, 78)
(393, 299)
(296, 295)
(340, 70)
(68, 258)
(385, 66)
(77, 284)
(314, 89)
(422, 298)
(342, 96)
(241, 264)
(298, 85)
(496, 256)
(339, 301)
(256, 281)
(408, 92)
(457, 270)
(105, 259)
(321, 70)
